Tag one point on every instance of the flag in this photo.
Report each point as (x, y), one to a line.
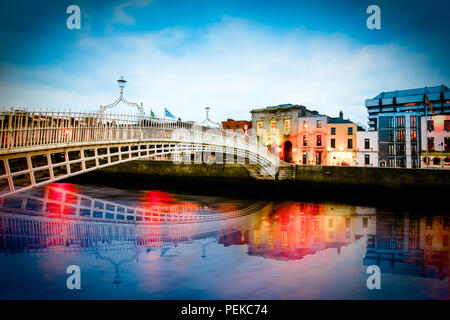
(427, 101)
(152, 114)
(168, 114)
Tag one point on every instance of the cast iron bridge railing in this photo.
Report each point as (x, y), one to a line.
(38, 147)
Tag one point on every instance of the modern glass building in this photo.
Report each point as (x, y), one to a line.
(396, 115)
(411, 100)
(399, 139)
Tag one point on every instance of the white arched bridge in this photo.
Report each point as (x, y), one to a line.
(39, 147)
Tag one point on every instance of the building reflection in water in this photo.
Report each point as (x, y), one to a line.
(410, 244)
(294, 230)
(399, 243)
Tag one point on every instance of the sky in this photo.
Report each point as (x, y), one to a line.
(231, 55)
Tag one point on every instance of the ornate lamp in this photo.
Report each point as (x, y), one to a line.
(122, 82)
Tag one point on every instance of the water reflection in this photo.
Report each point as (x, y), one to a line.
(116, 231)
(410, 244)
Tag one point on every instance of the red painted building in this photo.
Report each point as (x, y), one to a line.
(241, 126)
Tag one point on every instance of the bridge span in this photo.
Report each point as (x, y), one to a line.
(39, 147)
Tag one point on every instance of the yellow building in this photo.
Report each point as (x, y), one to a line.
(341, 142)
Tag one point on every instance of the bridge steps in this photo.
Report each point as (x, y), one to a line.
(257, 172)
(286, 171)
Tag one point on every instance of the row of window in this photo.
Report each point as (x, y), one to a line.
(446, 144)
(430, 125)
(333, 142)
(400, 162)
(400, 149)
(349, 131)
(399, 135)
(332, 129)
(399, 122)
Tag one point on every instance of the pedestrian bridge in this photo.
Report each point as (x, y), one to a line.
(39, 147)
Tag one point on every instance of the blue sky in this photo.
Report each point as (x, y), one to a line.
(231, 55)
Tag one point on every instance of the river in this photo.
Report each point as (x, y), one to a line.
(156, 244)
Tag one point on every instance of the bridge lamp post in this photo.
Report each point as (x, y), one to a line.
(121, 82)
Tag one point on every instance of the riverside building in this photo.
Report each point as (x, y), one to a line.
(397, 116)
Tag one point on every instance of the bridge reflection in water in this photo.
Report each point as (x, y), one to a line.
(400, 243)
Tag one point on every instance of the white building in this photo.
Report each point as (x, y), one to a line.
(435, 132)
(367, 148)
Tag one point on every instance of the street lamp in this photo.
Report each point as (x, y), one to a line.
(122, 82)
(208, 120)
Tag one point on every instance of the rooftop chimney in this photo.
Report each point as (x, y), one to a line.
(341, 115)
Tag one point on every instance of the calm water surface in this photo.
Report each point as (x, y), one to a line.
(284, 250)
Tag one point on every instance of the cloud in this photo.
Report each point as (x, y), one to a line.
(120, 16)
(233, 66)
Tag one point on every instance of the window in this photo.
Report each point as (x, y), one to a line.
(391, 162)
(365, 222)
(401, 163)
(400, 135)
(447, 125)
(347, 235)
(319, 123)
(350, 143)
(330, 234)
(391, 149)
(447, 144)
(401, 150)
(319, 140)
(305, 124)
(391, 136)
(333, 131)
(391, 122)
(413, 135)
(236, 128)
(259, 128)
(367, 159)
(228, 127)
(287, 127)
(430, 125)
(413, 121)
(305, 141)
(333, 143)
(350, 131)
(366, 143)
(273, 126)
(400, 121)
(430, 143)
(330, 223)
(348, 222)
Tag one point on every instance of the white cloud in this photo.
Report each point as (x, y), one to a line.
(120, 16)
(232, 66)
